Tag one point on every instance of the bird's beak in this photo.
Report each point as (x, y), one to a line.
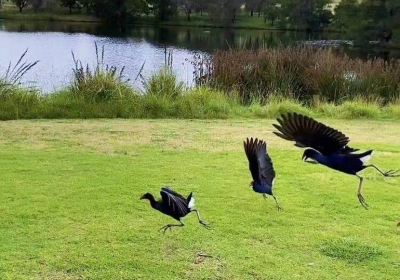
(142, 197)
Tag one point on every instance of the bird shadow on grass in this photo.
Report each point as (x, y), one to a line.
(350, 250)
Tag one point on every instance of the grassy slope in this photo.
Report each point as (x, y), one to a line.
(69, 206)
(11, 13)
(242, 21)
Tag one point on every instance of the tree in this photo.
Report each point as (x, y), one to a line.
(307, 14)
(187, 6)
(224, 11)
(254, 6)
(88, 5)
(346, 14)
(164, 9)
(21, 4)
(118, 10)
(369, 20)
(36, 4)
(272, 11)
(380, 18)
(70, 4)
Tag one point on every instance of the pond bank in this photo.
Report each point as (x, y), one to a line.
(44, 16)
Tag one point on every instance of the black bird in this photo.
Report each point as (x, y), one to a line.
(261, 167)
(326, 146)
(175, 205)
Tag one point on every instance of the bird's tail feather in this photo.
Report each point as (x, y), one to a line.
(191, 201)
(365, 157)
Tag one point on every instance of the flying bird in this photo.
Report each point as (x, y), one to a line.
(174, 205)
(326, 146)
(261, 168)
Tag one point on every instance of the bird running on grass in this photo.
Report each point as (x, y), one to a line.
(261, 167)
(326, 146)
(174, 205)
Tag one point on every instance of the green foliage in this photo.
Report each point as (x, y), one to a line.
(16, 102)
(118, 11)
(164, 9)
(272, 11)
(205, 103)
(163, 84)
(369, 20)
(275, 107)
(21, 4)
(69, 4)
(306, 14)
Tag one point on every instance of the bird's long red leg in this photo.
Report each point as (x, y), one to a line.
(359, 193)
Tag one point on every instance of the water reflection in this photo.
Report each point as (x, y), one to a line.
(52, 43)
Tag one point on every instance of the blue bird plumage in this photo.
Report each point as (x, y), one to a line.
(174, 205)
(346, 163)
(261, 167)
(326, 146)
(262, 187)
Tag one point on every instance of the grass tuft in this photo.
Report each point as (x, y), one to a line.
(276, 107)
(350, 250)
(164, 84)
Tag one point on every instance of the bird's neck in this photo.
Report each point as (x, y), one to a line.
(320, 158)
(153, 202)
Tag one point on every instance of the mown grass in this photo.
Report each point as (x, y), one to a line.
(197, 20)
(11, 13)
(70, 205)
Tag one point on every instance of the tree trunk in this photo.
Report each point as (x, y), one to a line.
(188, 16)
(70, 9)
(251, 13)
(20, 9)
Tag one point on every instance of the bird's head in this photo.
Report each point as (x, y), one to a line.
(310, 155)
(147, 196)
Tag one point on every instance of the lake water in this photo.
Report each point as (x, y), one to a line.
(52, 43)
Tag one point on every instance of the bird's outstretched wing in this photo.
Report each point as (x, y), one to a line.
(174, 193)
(176, 202)
(307, 132)
(260, 164)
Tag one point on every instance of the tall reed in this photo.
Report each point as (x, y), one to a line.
(305, 74)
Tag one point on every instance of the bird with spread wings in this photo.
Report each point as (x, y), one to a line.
(326, 146)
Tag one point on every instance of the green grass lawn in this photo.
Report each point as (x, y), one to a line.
(11, 13)
(70, 208)
(242, 21)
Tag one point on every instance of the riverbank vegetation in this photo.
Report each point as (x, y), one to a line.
(374, 21)
(230, 84)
